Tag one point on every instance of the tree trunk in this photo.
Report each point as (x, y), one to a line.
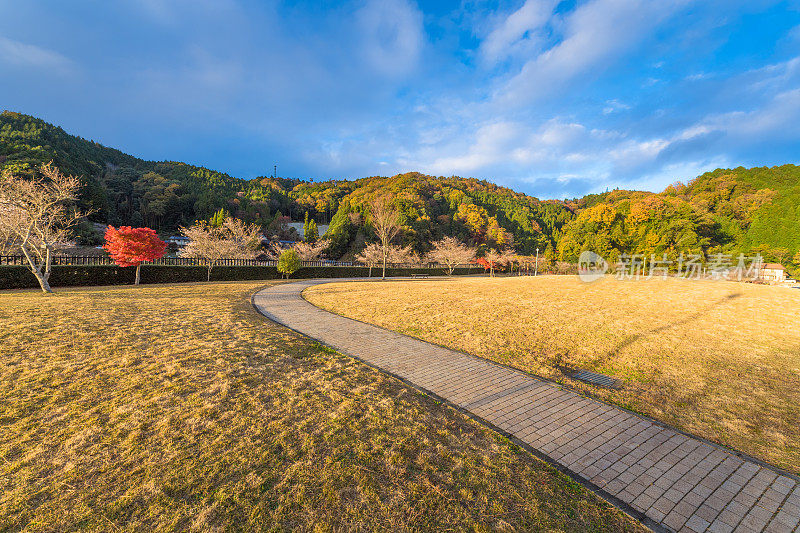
(383, 274)
(370, 270)
(43, 283)
(210, 266)
(138, 269)
(37, 271)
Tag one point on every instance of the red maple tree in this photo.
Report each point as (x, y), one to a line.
(131, 246)
(486, 264)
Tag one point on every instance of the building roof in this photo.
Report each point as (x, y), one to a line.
(772, 266)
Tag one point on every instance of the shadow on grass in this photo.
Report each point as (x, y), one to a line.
(631, 339)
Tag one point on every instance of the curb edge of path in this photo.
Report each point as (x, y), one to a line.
(732, 451)
(574, 476)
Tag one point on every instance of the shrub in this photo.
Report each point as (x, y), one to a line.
(20, 277)
(289, 262)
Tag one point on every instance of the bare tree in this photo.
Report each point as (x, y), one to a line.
(402, 255)
(526, 263)
(309, 251)
(275, 249)
(494, 258)
(371, 255)
(509, 257)
(385, 219)
(8, 244)
(36, 216)
(233, 240)
(451, 252)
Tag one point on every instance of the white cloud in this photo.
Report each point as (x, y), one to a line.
(517, 30)
(509, 144)
(612, 106)
(595, 34)
(779, 117)
(392, 34)
(658, 179)
(15, 53)
(178, 12)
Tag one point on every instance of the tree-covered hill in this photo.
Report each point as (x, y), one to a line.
(122, 189)
(724, 211)
(728, 211)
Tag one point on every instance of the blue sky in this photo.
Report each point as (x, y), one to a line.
(556, 99)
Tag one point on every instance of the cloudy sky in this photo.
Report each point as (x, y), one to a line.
(556, 99)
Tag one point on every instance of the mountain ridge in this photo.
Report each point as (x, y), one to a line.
(723, 211)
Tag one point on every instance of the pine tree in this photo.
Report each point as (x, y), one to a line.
(305, 227)
(312, 234)
(218, 218)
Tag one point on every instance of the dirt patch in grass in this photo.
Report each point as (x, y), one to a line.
(181, 408)
(717, 359)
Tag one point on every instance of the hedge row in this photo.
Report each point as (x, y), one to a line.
(19, 277)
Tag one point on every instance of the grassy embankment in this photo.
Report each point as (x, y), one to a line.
(718, 359)
(179, 407)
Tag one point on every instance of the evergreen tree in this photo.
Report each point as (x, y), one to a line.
(312, 233)
(305, 227)
(218, 218)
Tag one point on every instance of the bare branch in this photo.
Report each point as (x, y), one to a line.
(36, 216)
(451, 252)
(311, 251)
(233, 240)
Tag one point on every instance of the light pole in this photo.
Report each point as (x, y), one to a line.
(536, 268)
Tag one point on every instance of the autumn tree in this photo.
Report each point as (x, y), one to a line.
(289, 262)
(385, 219)
(509, 257)
(275, 249)
(402, 255)
(494, 259)
(129, 246)
(371, 255)
(451, 252)
(233, 240)
(310, 251)
(780, 254)
(36, 216)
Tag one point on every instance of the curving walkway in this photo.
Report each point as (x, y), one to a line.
(669, 480)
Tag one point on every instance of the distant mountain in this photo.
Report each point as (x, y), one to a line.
(724, 211)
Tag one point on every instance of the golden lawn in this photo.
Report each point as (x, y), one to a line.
(718, 359)
(178, 407)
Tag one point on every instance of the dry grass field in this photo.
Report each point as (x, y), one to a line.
(180, 408)
(718, 359)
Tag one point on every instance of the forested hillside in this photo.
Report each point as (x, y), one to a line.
(730, 211)
(724, 211)
(122, 189)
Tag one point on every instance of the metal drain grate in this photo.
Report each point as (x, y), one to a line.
(596, 379)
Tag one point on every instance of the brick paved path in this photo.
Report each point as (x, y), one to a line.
(678, 483)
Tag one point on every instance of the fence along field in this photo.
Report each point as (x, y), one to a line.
(99, 260)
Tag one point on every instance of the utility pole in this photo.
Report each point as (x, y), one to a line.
(536, 268)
